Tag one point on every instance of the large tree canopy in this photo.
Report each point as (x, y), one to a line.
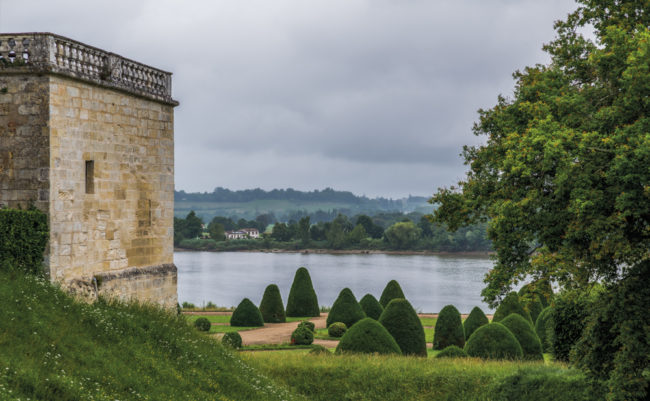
(564, 175)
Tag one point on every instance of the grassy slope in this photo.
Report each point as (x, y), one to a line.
(365, 377)
(54, 348)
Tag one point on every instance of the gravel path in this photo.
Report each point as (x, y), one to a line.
(278, 333)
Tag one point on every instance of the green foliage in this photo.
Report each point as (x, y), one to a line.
(564, 161)
(188, 228)
(525, 334)
(475, 320)
(568, 320)
(246, 315)
(392, 291)
(302, 336)
(542, 327)
(368, 336)
(232, 339)
(23, 237)
(452, 351)
(309, 325)
(56, 348)
(345, 309)
(336, 329)
(271, 306)
(510, 304)
(615, 344)
(302, 297)
(319, 350)
(449, 329)
(403, 323)
(493, 341)
(371, 307)
(188, 305)
(202, 324)
(402, 235)
(533, 307)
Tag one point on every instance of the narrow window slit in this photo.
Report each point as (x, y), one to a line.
(90, 176)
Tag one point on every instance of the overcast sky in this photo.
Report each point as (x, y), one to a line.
(372, 96)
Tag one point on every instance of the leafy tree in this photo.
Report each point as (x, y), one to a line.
(374, 230)
(563, 175)
(216, 230)
(303, 231)
(281, 232)
(402, 235)
(193, 226)
(356, 235)
(335, 235)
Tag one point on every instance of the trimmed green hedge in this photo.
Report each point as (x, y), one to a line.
(510, 304)
(368, 336)
(371, 306)
(452, 352)
(246, 315)
(525, 334)
(302, 336)
(475, 320)
(203, 324)
(23, 238)
(345, 309)
(392, 291)
(403, 323)
(232, 339)
(337, 329)
(302, 297)
(494, 341)
(449, 329)
(271, 307)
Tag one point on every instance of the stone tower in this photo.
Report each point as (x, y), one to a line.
(87, 137)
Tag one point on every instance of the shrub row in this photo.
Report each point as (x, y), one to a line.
(23, 237)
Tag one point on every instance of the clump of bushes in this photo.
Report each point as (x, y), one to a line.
(392, 291)
(371, 307)
(533, 306)
(319, 350)
(368, 336)
(568, 320)
(302, 336)
(202, 324)
(337, 329)
(510, 304)
(452, 352)
(345, 309)
(493, 341)
(525, 334)
(302, 297)
(542, 288)
(271, 307)
(449, 329)
(402, 322)
(542, 326)
(246, 315)
(28, 234)
(475, 320)
(232, 339)
(309, 325)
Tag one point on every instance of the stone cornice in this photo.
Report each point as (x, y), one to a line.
(43, 52)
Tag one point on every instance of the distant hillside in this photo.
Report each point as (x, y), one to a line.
(282, 203)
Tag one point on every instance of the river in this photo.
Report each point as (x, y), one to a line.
(429, 282)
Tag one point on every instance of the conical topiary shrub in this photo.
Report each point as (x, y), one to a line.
(452, 352)
(402, 322)
(271, 306)
(510, 304)
(534, 307)
(346, 309)
(392, 291)
(302, 297)
(475, 320)
(542, 327)
(493, 341)
(449, 329)
(371, 306)
(246, 315)
(368, 336)
(542, 288)
(525, 334)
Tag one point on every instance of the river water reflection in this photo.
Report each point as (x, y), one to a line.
(429, 282)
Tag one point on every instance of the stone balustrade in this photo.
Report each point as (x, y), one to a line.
(46, 52)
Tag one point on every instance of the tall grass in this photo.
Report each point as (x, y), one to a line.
(373, 377)
(54, 348)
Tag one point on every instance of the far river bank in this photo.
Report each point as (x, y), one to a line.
(478, 254)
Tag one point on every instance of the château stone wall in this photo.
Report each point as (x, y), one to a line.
(87, 137)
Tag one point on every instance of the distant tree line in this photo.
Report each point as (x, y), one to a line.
(384, 231)
(326, 195)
